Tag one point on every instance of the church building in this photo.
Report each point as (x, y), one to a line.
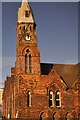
(35, 90)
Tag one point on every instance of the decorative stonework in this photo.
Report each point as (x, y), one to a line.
(27, 91)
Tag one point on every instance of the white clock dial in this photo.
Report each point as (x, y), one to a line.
(28, 37)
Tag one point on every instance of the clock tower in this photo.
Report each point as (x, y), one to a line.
(34, 90)
(28, 55)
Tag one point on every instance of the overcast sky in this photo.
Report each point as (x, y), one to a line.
(57, 32)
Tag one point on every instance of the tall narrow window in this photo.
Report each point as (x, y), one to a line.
(58, 99)
(79, 116)
(8, 115)
(17, 114)
(41, 116)
(30, 28)
(69, 116)
(26, 63)
(23, 28)
(54, 99)
(29, 99)
(55, 116)
(51, 99)
(30, 64)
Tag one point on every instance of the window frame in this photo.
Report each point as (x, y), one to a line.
(53, 100)
(58, 99)
(28, 63)
(29, 98)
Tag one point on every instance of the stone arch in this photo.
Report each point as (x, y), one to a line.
(55, 85)
(74, 114)
(52, 87)
(54, 96)
(20, 27)
(43, 115)
(27, 50)
(79, 116)
(56, 116)
(28, 61)
(69, 116)
(23, 28)
(28, 98)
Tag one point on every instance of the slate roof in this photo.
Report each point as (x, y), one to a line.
(67, 72)
(46, 68)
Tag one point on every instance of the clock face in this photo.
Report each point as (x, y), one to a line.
(28, 38)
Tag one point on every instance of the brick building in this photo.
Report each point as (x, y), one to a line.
(1, 93)
(38, 90)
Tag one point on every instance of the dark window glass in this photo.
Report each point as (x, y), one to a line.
(30, 28)
(28, 99)
(50, 102)
(26, 13)
(30, 64)
(50, 96)
(26, 67)
(57, 103)
(27, 51)
(20, 27)
(24, 28)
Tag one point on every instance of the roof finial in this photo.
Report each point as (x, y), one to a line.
(24, 0)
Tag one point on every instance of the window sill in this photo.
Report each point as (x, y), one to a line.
(55, 107)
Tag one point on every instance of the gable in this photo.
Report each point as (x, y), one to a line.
(68, 73)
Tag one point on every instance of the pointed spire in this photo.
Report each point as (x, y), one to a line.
(24, 1)
(25, 14)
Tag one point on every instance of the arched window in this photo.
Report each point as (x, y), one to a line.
(79, 116)
(55, 116)
(69, 116)
(29, 99)
(23, 28)
(51, 99)
(42, 116)
(54, 99)
(8, 115)
(58, 99)
(20, 27)
(28, 62)
(17, 114)
(30, 28)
